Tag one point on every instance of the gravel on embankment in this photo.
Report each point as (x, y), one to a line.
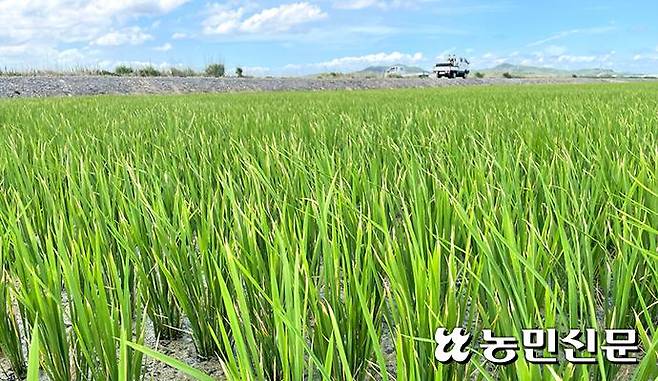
(45, 86)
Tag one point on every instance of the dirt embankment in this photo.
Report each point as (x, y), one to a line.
(44, 86)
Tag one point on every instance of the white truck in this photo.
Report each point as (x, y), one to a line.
(453, 67)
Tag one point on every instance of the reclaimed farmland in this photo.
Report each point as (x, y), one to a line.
(326, 235)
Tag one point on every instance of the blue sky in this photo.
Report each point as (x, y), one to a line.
(291, 37)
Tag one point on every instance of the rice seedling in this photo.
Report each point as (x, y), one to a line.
(39, 295)
(33, 361)
(10, 335)
(328, 235)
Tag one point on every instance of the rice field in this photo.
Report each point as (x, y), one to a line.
(327, 236)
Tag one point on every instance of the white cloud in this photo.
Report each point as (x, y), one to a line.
(30, 56)
(72, 20)
(356, 4)
(444, 54)
(382, 4)
(292, 67)
(359, 62)
(554, 50)
(223, 21)
(543, 59)
(14, 50)
(179, 36)
(488, 59)
(44, 25)
(256, 71)
(127, 36)
(567, 33)
(553, 37)
(373, 59)
(272, 20)
(645, 57)
(72, 56)
(133, 6)
(577, 59)
(164, 48)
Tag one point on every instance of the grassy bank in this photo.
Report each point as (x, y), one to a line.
(328, 235)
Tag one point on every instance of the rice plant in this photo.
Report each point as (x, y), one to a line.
(296, 236)
(10, 335)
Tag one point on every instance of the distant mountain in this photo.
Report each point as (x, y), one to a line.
(380, 70)
(521, 71)
(534, 71)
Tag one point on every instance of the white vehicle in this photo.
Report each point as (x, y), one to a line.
(401, 72)
(453, 67)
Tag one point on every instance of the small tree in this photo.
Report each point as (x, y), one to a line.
(507, 75)
(149, 71)
(123, 70)
(479, 75)
(215, 70)
(239, 72)
(184, 72)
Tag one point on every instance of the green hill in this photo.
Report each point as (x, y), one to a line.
(534, 71)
